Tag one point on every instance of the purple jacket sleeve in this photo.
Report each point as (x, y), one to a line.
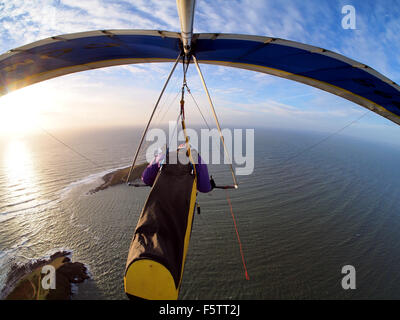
(150, 173)
(203, 180)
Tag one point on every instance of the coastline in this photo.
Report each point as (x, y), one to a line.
(24, 281)
(120, 176)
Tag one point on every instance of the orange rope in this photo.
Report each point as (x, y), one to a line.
(238, 238)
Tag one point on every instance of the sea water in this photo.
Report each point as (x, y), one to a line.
(300, 221)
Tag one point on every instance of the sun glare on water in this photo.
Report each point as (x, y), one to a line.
(19, 171)
(18, 162)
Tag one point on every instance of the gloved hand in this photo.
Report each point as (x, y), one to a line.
(212, 182)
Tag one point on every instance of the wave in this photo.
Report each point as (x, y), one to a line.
(16, 203)
(40, 204)
(8, 257)
(5, 215)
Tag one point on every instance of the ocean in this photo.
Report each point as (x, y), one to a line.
(300, 220)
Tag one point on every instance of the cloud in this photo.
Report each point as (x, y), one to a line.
(27, 21)
(238, 94)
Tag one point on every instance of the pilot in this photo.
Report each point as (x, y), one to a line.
(203, 182)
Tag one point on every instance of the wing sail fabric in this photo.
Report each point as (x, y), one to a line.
(310, 65)
(57, 56)
(313, 66)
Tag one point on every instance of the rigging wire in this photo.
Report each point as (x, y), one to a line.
(325, 138)
(147, 143)
(173, 132)
(151, 117)
(198, 108)
(167, 103)
(182, 115)
(216, 121)
(95, 164)
(167, 109)
(222, 139)
(72, 149)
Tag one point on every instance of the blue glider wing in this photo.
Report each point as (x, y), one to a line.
(313, 66)
(317, 67)
(60, 55)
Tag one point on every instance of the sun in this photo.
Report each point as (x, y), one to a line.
(21, 111)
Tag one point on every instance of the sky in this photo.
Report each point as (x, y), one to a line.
(125, 95)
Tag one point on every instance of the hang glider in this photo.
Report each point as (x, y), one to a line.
(156, 258)
(317, 67)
